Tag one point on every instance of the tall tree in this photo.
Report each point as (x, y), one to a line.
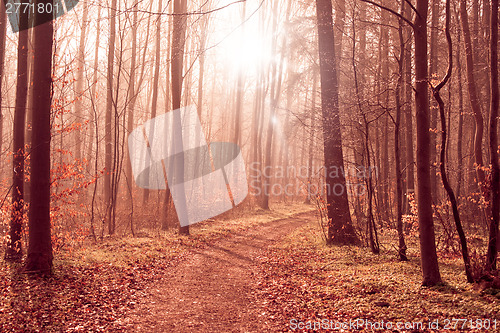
(397, 136)
(240, 87)
(109, 108)
(93, 123)
(442, 160)
(14, 250)
(473, 97)
(408, 91)
(491, 259)
(428, 255)
(433, 74)
(40, 246)
(340, 228)
(178, 42)
(156, 80)
(79, 80)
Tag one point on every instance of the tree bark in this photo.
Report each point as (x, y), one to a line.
(178, 41)
(473, 98)
(340, 228)
(408, 91)
(79, 82)
(108, 119)
(460, 121)
(397, 150)
(433, 74)
(442, 160)
(40, 246)
(156, 80)
(491, 258)
(430, 267)
(14, 248)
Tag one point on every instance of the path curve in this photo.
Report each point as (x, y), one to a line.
(211, 290)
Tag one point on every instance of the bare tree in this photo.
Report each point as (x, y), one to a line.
(430, 267)
(491, 259)
(340, 228)
(178, 42)
(442, 162)
(14, 250)
(108, 121)
(79, 80)
(40, 245)
(473, 98)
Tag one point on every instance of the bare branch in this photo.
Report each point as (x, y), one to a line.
(392, 12)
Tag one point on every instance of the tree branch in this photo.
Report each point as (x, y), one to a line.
(392, 12)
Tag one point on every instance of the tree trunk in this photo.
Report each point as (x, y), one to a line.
(397, 152)
(312, 133)
(156, 80)
(93, 122)
(442, 160)
(108, 127)
(433, 75)
(240, 89)
(276, 80)
(40, 246)
(408, 91)
(130, 114)
(178, 41)
(473, 98)
(460, 120)
(430, 267)
(14, 249)
(340, 228)
(79, 82)
(491, 258)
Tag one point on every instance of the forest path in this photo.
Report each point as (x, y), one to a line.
(212, 289)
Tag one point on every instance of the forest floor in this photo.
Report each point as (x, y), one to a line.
(261, 272)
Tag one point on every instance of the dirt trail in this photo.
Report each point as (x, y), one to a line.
(212, 289)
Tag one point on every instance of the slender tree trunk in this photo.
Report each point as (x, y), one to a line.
(473, 98)
(130, 114)
(384, 205)
(94, 89)
(79, 82)
(338, 30)
(108, 119)
(408, 91)
(340, 228)
(156, 80)
(397, 152)
(276, 79)
(29, 116)
(460, 120)
(14, 249)
(430, 267)
(178, 42)
(491, 258)
(312, 133)
(240, 87)
(40, 246)
(433, 75)
(442, 161)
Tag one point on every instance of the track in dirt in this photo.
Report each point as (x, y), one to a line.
(211, 290)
